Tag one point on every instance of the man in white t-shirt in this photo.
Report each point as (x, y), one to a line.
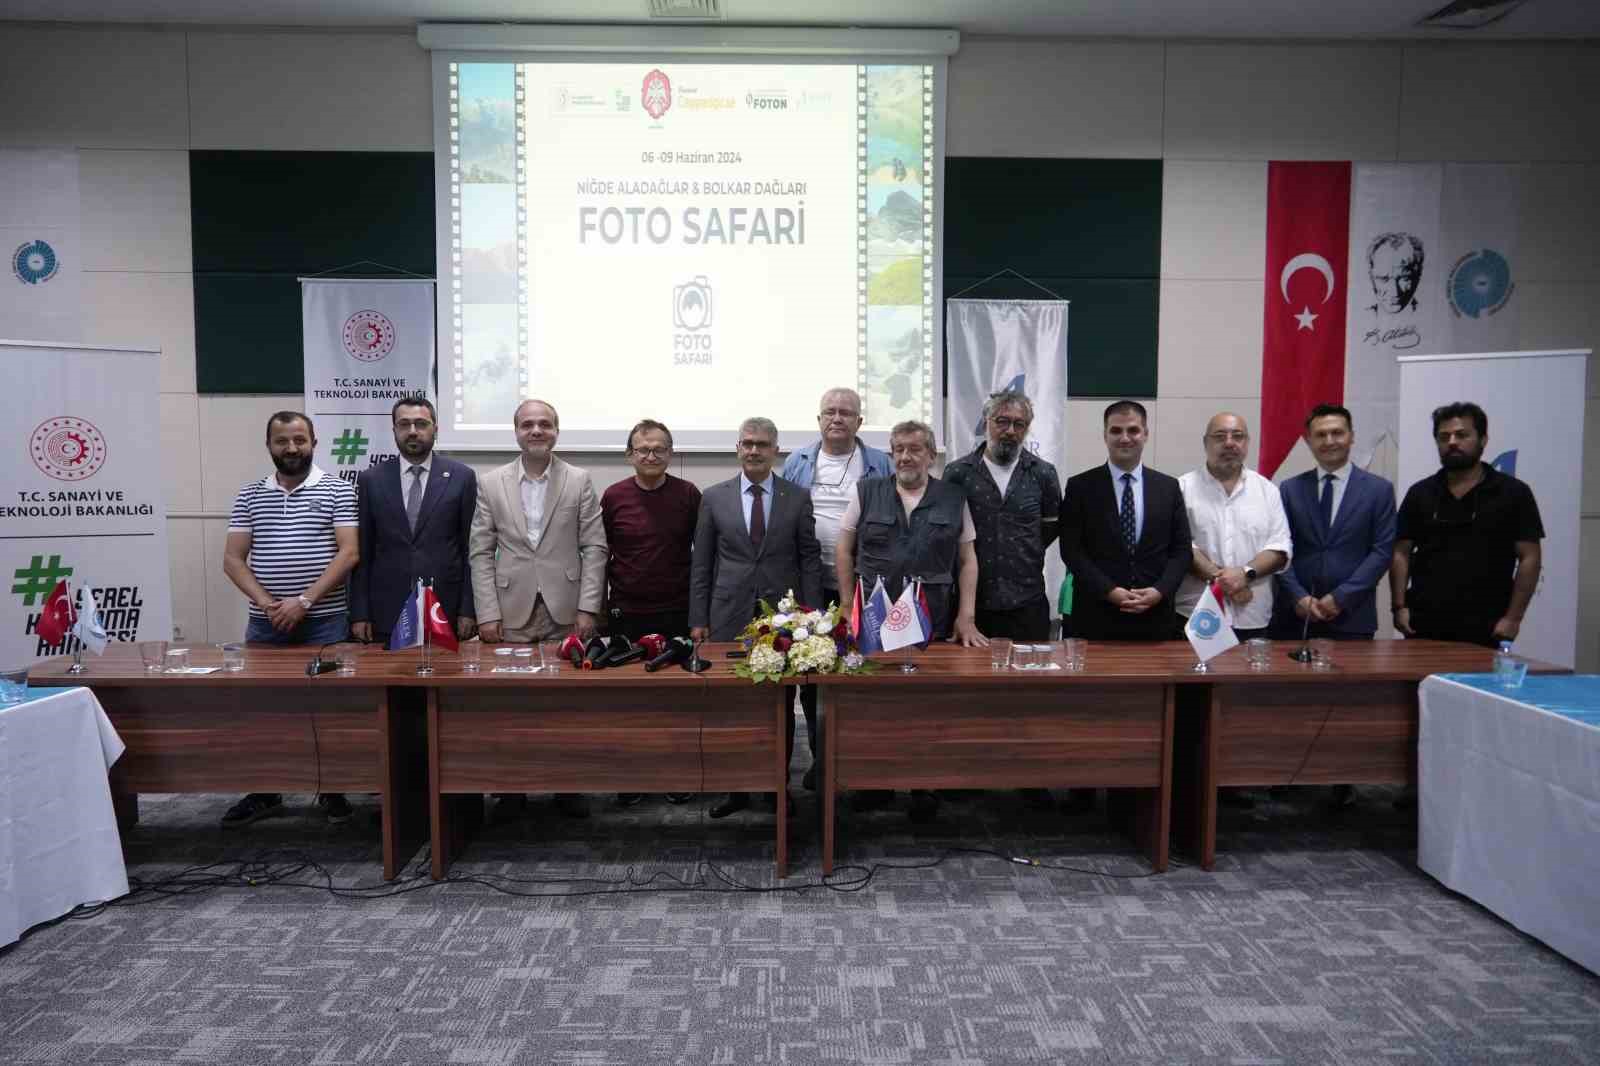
(828, 469)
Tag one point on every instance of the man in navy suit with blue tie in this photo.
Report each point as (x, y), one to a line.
(415, 517)
(1342, 521)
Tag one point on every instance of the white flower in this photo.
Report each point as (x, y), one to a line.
(813, 618)
(787, 603)
(813, 653)
(765, 659)
(853, 660)
(779, 620)
(801, 633)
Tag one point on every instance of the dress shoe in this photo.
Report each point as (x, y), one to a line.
(508, 807)
(571, 804)
(678, 799)
(924, 806)
(629, 799)
(733, 804)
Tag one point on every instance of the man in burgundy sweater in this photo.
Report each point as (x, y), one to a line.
(649, 520)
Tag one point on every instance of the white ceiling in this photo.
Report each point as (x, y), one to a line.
(1135, 18)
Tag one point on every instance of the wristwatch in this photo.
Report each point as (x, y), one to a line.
(1249, 573)
(303, 601)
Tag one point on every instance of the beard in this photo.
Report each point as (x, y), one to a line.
(292, 465)
(1002, 452)
(1460, 460)
(910, 479)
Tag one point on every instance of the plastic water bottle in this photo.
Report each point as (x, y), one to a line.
(1505, 665)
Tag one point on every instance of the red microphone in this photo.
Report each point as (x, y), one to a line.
(653, 644)
(572, 650)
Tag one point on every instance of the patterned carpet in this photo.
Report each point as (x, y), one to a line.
(1315, 941)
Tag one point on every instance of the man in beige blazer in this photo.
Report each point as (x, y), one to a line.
(538, 544)
(538, 554)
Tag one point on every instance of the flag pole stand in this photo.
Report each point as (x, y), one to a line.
(1201, 667)
(77, 666)
(425, 667)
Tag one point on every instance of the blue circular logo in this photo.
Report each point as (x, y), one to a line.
(33, 262)
(1480, 283)
(1206, 623)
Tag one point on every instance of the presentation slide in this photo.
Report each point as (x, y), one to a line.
(692, 242)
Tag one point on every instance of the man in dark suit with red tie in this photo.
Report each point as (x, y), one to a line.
(415, 516)
(1125, 537)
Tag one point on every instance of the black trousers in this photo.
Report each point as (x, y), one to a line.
(1031, 621)
(808, 698)
(1465, 628)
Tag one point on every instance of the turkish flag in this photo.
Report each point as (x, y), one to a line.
(56, 621)
(437, 625)
(1302, 348)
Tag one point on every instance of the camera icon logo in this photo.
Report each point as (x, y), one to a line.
(691, 304)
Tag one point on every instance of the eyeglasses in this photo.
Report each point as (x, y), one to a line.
(1007, 424)
(413, 423)
(1237, 436)
(756, 445)
(651, 453)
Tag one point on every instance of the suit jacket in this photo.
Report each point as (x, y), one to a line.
(393, 556)
(1092, 547)
(1348, 560)
(568, 568)
(727, 574)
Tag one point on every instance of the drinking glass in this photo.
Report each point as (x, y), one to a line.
(505, 660)
(1515, 674)
(1322, 654)
(999, 653)
(1075, 653)
(154, 654)
(232, 657)
(550, 656)
(177, 660)
(347, 661)
(1258, 651)
(471, 652)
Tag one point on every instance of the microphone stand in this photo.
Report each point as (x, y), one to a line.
(1302, 654)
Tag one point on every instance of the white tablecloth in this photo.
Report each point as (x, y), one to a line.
(1509, 783)
(59, 845)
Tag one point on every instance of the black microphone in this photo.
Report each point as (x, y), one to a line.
(623, 651)
(679, 650)
(319, 665)
(594, 653)
(1302, 654)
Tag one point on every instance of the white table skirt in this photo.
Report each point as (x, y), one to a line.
(59, 845)
(1510, 803)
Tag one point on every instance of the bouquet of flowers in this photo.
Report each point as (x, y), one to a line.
(794, 640)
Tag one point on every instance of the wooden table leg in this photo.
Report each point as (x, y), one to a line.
(1206, 797)
(440, 823)
(779, 741)
(830, 747)
(403, 771)
(1161, 817)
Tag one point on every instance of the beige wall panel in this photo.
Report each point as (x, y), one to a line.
(185, 549)
(116, 87)
(1085, 99)
(288, 91)
(1210, 338)
(1282, 101)
(1213, 220)
(132, 310)
(135, 210)
(180, 451)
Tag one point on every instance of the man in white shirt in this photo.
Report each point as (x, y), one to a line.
(1240, 532)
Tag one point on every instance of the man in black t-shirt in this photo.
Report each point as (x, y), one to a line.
(1466, 551)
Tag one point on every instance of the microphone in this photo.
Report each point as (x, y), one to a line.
(1302, 654)
(319, 665)
(623, 651)
(594, 653)
(677, 650)
(572, 650)
(696, 665)
(653, 644)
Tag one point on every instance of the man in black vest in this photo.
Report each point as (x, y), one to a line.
(913, 526)
(1125, 537)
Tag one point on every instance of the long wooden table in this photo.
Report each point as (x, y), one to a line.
(268, 729)
(613, 730)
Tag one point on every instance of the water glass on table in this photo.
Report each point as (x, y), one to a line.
(232, 657)
(347, 660)
(176, 660)
(1322, 654)
(550, 656)
(1074, 653)
(1258, 652)
(471, 653)
(999, 653)
(154, 655)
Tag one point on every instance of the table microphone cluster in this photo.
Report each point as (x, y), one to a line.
(657, 652)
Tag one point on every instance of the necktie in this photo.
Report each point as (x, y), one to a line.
(1126, 515)
(758, 520)
(414, 497)
(1325, 501)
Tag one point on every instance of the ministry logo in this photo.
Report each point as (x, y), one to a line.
(656, 94)
(67, 448)
(34, 262)
(1206, 623)
(368, 335)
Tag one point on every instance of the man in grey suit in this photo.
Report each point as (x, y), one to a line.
(538, 552)
(755, 539)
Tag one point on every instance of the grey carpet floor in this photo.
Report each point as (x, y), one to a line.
(1316, 940)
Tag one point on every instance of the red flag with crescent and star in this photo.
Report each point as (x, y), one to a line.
(58, 616)
(435, 622)
(1302, 349)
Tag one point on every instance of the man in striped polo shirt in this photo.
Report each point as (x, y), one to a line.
(292, 541)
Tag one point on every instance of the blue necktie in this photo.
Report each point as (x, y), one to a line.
(1126, 515)
(1325, 501)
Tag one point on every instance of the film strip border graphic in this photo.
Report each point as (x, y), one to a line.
(457, 356)
(862, 222)
(928, 191)
(521, 97)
